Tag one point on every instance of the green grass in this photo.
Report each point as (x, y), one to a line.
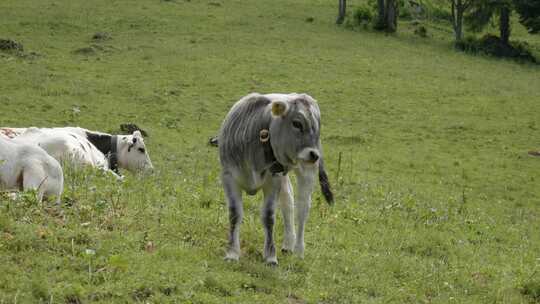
(437, 199)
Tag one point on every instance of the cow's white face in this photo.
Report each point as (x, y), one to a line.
(294, 131)
(132, 154)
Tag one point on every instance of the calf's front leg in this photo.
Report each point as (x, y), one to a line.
(271, 191)
(236, 211)
(287, 210)
(305, 176)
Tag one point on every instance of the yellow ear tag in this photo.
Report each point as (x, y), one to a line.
(264, 135)
(278, 108)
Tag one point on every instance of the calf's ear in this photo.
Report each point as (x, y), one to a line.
(279, 108)
(137, 134)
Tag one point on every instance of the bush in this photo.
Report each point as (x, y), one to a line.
(492, 45)
(421, 31)
(363, 15)
(406, 9)
(439, 13)
(532, 289)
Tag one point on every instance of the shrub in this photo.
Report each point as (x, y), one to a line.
(405, 9)
(363, 15)
(492, 45)
(439, 13)
(532, 289)
(421, 31)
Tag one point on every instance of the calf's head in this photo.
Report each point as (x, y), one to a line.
(295, 129)
(132, 153)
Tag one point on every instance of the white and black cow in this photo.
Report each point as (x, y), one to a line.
(28, 167)
(84, 147)
(262, 138)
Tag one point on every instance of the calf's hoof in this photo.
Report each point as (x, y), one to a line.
(299, 251)
(232, 257)
(271, 261)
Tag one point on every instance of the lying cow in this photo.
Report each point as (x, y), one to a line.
(84, 147)
(28, 167)
(262, 138)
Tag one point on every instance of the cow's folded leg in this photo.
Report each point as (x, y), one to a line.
(287, 210)
(271, 191)
(234, 201)
(306, 180)
(34, 178)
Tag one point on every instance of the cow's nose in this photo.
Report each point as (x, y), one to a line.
(313, 156)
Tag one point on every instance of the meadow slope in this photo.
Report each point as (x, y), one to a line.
(437, 200)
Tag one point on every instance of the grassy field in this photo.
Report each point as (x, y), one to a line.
(437, 199)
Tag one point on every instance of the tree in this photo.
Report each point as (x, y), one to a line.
(387, 15)
(483, 11)
(529, 14)
(341, 11)
(458, 9)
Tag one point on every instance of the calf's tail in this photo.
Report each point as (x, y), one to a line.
(325, 184)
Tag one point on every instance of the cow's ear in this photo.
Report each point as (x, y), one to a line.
(137, 134)
(279, 108)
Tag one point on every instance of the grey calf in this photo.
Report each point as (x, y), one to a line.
(262, 138)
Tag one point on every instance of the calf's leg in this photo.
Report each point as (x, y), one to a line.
(234, 202)
(271, 191)
(287, 210)
(306, 179)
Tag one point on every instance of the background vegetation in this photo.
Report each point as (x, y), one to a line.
(437, 199)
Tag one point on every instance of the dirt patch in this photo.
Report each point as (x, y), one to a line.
(91, 50)
(11, 45)
(101, 36)
(87, 51)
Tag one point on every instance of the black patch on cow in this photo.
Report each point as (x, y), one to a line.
(112, 156)
(20, 180)
(101, 141)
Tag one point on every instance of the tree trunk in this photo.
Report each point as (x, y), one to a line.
(504, 25)
(459, 24)
(457, 18)
(391, 16)
(341, 11)
(380, 25)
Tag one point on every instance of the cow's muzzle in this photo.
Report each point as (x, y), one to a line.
(309, 155)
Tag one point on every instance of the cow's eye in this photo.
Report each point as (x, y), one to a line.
(142, 150)
(297, 124)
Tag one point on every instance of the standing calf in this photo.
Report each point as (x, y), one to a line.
(262, 138)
